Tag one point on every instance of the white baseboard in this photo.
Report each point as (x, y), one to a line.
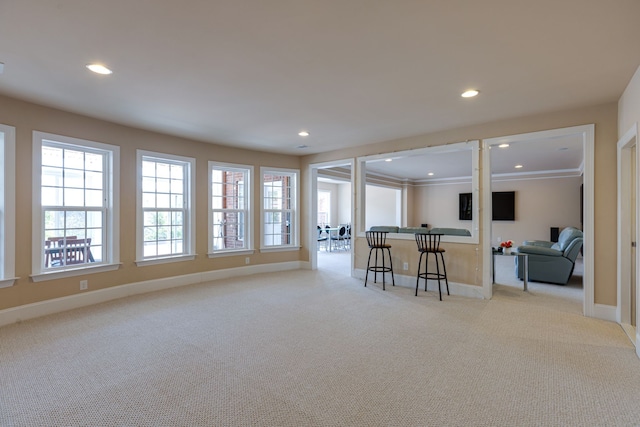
(455, 288)
(605, 312)
(57, 305)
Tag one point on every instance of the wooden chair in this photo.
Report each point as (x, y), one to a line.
(68, 251)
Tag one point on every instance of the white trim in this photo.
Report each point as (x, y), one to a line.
(80, 271)
(165, 260)
(111, 243)
(295, 174)
(7, 205)
(189, 223)
(624, 220)
(57, 305)
(473, 145)
(248, 197)
(604, 312)
(312, 223)
(230, 252)
(587, 132)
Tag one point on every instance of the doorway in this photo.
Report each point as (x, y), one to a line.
(628, 222)
(586, 136)
(331, 218)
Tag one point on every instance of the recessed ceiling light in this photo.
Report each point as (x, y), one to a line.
(430, 174)
(388, 160)
(99, 69)
(518, 166)
(470, 93)
(503, 145)
(303, 133)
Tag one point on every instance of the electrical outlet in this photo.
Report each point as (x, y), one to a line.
(84, 285)
(246, 260)
(405, 266)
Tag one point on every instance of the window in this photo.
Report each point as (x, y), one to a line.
(280, 217)
(165, 215)
(7, 203)
(229, 213)
(75, 185)
(324, 207)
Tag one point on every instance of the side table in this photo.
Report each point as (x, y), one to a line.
(522, 258)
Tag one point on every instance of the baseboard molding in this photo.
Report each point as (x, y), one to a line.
(605, 312)
(455, 288)
(57, 305)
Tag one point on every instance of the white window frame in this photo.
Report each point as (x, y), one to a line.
(248, 210)
(7, 205)
(111, 219)
(294, 174)
(189, 216)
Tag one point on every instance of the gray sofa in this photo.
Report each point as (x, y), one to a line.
(551, 262)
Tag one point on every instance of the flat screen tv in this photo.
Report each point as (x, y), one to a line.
(504, 206)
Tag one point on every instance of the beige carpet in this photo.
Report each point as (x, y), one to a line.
(307, 348)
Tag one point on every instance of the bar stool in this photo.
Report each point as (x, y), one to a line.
(377, 243)
(430, 244)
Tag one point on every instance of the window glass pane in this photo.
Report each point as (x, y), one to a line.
(163, 201)
(163, 170)
(51, 156)
(148, 169)
(150, 249)
(94, 219)
(93, 180)
(93, 198)
(150, 218)
(148, 184)
(75, 219)
(51, 196)
(73, 197)
(93, 162)
(73, 159)
(148, 200)
(73, 178)
(163, 185)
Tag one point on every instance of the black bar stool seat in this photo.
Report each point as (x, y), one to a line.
(430, 244)
(377, 241)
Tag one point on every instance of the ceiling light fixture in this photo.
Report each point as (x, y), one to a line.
(503, 146)
(303, 133)
(99, 69)
(470, 93)
(388, 160)
(518, 166)
(430, 174)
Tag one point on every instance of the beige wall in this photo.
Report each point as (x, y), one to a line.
(605, 119)
(437, 205)
(27, 117)
(540, 204)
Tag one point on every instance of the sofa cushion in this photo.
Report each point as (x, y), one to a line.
(566, 237)
(387, 228)
(451, 231)
(413, 230)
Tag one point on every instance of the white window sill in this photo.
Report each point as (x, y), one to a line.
(7, 283)
(280, 249)
(60, 274)
(165, 260)
(228, 253)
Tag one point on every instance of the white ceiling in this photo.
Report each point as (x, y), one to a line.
(252, 73)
